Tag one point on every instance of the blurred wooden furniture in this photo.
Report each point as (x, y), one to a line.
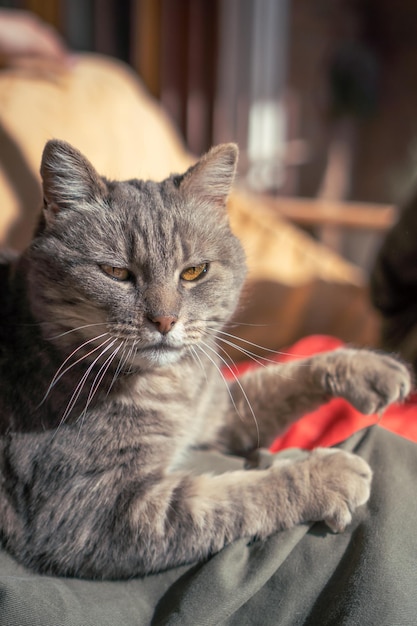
(345, 215)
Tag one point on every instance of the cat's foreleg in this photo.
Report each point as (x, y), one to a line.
(105, 527)
(267, 400)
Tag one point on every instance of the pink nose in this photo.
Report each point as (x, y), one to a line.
(163, 323)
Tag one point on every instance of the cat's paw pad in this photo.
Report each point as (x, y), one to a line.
(341, 482)
(372, 382)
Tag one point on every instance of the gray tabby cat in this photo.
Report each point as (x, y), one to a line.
(110, 374)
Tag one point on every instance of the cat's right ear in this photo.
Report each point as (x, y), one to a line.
(68, 178)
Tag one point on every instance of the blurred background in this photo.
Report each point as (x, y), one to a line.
(319, 94)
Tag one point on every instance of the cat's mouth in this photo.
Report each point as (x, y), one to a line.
(158, 354)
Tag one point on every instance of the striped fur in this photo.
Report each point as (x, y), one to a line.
(106, 384)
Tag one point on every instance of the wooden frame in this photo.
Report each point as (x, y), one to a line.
(322, 213)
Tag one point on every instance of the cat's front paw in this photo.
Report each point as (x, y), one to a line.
(340, 482)
(370, 381)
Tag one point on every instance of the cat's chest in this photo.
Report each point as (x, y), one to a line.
(174, 386)
(170, 401)
(158, 415)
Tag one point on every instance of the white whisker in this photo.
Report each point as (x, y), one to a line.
(60, 372)
(77, 392)
(120, 366)
(260, 360)
(251, 355)
(74, 330)
(239, 384)
(221, 375)
(255, 345)
(129, 356)
(98, 379)
(196, 357)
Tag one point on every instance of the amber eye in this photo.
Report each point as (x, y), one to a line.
(197, 271)
(118, 273)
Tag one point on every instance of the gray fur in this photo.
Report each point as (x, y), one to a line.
(99, 404)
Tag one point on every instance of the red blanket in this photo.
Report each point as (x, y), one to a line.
(336, 420)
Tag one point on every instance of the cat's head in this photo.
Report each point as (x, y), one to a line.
(149, 269)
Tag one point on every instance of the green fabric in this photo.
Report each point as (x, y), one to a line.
(365, 576)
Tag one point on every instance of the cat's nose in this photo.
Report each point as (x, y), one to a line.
(163, 323)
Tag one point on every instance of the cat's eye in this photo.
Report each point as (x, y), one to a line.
(195, 272)
(118, 273)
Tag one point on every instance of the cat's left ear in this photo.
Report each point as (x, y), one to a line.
(211, 178)
(68, 178)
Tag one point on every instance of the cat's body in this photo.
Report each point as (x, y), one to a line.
(109, 374)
